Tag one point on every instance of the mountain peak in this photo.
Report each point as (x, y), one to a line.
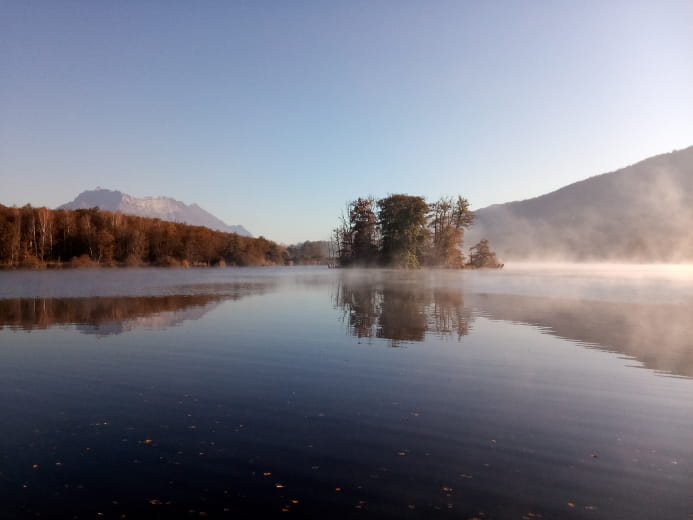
(164, 208)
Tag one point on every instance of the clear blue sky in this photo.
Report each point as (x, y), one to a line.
(274, 114)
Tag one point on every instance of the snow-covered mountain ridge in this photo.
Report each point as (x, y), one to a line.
(164, 208)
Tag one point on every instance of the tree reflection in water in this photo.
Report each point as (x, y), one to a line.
(401, 311)
(108, 315)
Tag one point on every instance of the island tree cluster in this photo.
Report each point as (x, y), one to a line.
(406, 231)
(36, 237)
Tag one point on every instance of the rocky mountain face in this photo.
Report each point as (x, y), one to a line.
(642, 213)
(164, 208)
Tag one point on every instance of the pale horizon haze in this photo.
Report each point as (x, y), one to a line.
(273, 115)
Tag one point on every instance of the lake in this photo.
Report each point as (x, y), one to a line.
(526, 393)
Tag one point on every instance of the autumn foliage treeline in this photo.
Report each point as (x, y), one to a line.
(37, 237)
(406, 231)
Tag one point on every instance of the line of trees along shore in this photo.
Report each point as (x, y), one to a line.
(406, 231)
(39, 237)
(319, 252)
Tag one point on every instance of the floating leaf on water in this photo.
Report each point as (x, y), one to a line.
(570, 504)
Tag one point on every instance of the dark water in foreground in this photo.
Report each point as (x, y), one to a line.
(326, 394)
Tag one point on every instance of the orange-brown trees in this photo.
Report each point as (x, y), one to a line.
(34, 237)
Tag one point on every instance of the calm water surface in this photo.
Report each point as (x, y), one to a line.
(313, 393)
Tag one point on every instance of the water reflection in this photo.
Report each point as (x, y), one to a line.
(399, 307)
(400, 311)
(264, 408)
(403, 309)
(112, 315)
(660, 336)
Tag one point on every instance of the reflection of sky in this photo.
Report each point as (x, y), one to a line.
(522, 412)
(611, 307)
(150, 281)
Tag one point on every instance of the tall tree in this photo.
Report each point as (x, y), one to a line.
(363, 230)
(343, 241)
(402, 221)
(448, 218)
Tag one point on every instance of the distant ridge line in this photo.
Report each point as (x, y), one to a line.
(641, 213)
(164, 208)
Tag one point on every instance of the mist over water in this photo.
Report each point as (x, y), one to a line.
(645, 283)
(556, 390)
(640, 213)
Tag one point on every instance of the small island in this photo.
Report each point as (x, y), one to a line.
(405, 231)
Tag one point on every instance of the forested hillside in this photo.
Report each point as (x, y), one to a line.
(39, 237)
